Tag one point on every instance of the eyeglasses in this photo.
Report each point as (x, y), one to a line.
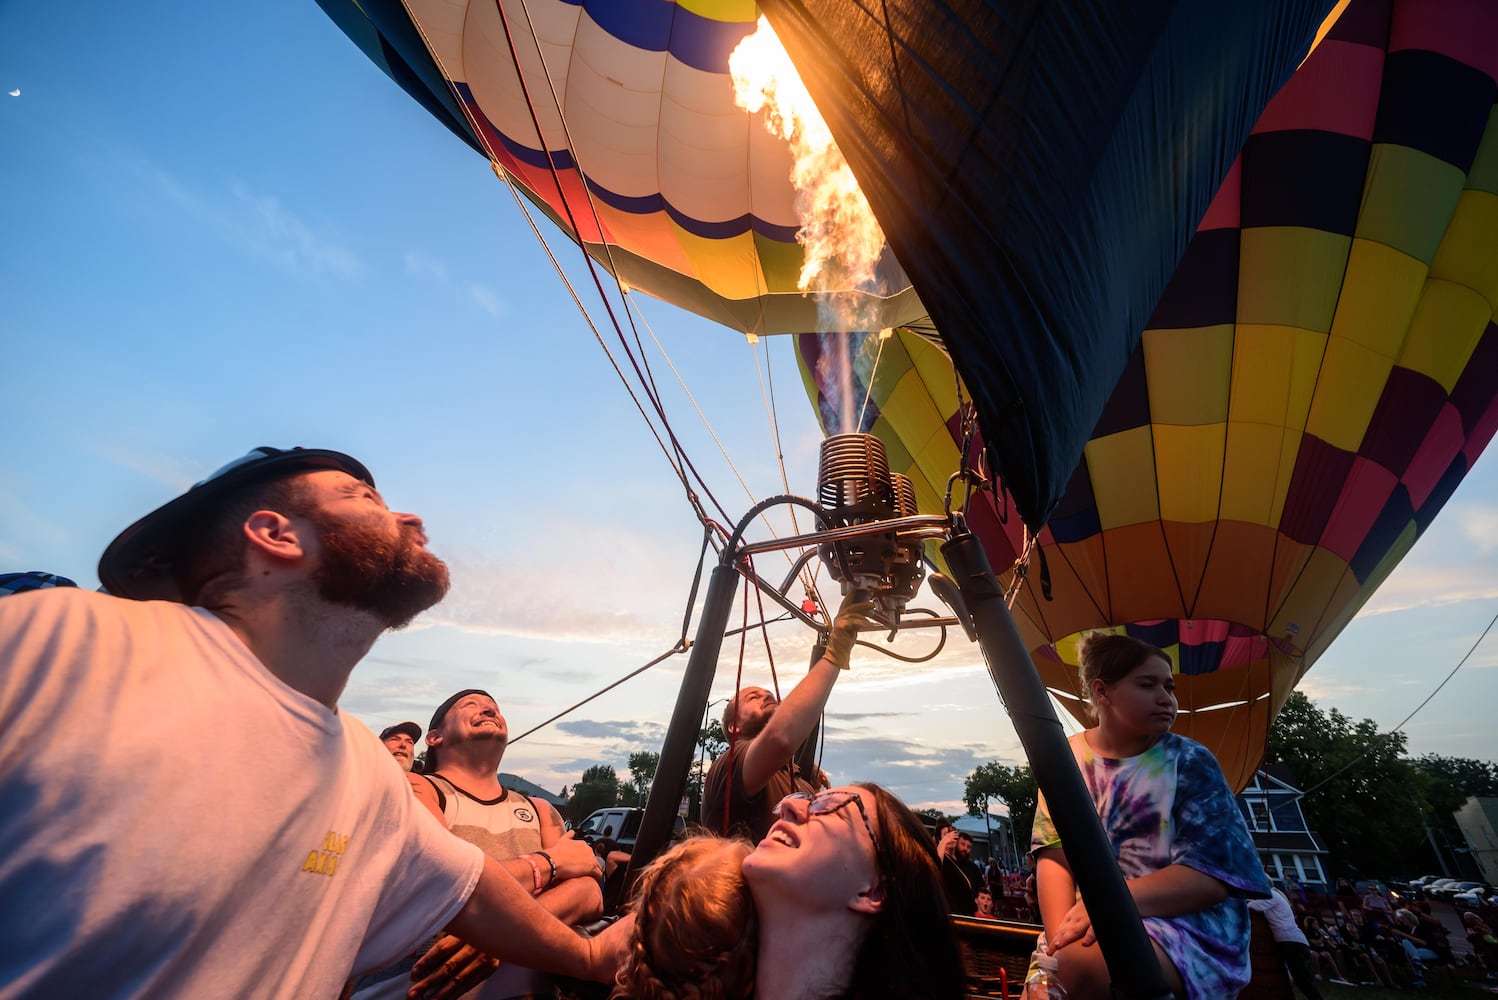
(826, 803)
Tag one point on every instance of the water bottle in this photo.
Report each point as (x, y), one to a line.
(1043, 983)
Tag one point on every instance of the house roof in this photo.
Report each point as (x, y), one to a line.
(531, 789)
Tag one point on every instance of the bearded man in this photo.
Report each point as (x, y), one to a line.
(400, 739)
(744, 785)
(254, 842)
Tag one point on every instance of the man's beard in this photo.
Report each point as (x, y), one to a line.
(751, 728)
(395, 579)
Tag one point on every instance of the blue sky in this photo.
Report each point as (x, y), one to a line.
(223, 227)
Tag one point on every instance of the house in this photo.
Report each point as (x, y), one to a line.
(992, 838)
(1289, 849)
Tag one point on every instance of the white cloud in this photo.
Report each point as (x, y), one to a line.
(1418, 586)
(487, 298)
(1479, 523)
(175, 473)
(422, 263)
(285, 237)
(257, 224)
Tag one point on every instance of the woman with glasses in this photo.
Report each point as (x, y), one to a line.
(850, 901)
(1176, 832)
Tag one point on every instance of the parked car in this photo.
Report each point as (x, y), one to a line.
(1448, 891)
(1481, 896)
(1432, 889)
(621, 825)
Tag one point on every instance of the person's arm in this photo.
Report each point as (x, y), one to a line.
(571, 856)
(1055, 890)
(1175, 890)
(502, 920)
(1169, 892)
(426, 794)
(452, 966)
(797, 715)
(576, 899)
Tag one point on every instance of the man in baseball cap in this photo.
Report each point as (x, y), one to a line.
(234, 611)
(400, 739)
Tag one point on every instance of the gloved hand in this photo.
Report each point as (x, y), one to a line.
(853, 613)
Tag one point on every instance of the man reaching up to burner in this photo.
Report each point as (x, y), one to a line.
(744, 784)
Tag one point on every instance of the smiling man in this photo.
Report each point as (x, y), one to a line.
(466, 743)
(275, 849)
(400, 739)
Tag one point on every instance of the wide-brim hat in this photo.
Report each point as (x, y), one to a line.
(140, 564)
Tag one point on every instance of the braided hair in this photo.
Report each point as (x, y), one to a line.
(696, 934)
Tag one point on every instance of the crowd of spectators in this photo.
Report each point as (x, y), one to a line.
(1371, 935)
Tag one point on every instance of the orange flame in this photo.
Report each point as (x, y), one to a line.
(842, 241)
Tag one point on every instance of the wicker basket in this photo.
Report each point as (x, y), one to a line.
(995, 954)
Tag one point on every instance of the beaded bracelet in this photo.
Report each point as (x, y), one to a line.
(550, 862)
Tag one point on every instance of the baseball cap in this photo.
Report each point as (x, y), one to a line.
(139, 563)
(411, 729)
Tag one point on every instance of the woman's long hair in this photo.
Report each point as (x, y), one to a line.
(696, 934)
(911, 950)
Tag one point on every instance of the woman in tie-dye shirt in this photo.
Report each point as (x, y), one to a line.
(1176, 832)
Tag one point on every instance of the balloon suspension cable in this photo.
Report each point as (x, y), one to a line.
(707, 424)
(772, 416)
(645, 379)
(868, 392)
(674, 452)
(683, 643)
(681, 647)
(1405, 721)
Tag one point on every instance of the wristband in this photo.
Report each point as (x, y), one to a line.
(535, 875)
(553, 864)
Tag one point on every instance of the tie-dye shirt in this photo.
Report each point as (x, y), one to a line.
(1171, 806)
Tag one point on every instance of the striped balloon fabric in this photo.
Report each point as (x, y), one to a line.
(1318, 377)
(20, 583)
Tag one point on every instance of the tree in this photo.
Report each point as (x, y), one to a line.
(1364, 797)
(1453, 779)
(642, 768)
(712, 743)
(598, 789)
(1014, 786)
(712, 740)
(1450, 781)
(934, 816)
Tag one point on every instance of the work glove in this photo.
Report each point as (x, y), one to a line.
(853, 613)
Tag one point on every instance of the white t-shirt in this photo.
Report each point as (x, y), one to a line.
(177, 822)
(1281, 917)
